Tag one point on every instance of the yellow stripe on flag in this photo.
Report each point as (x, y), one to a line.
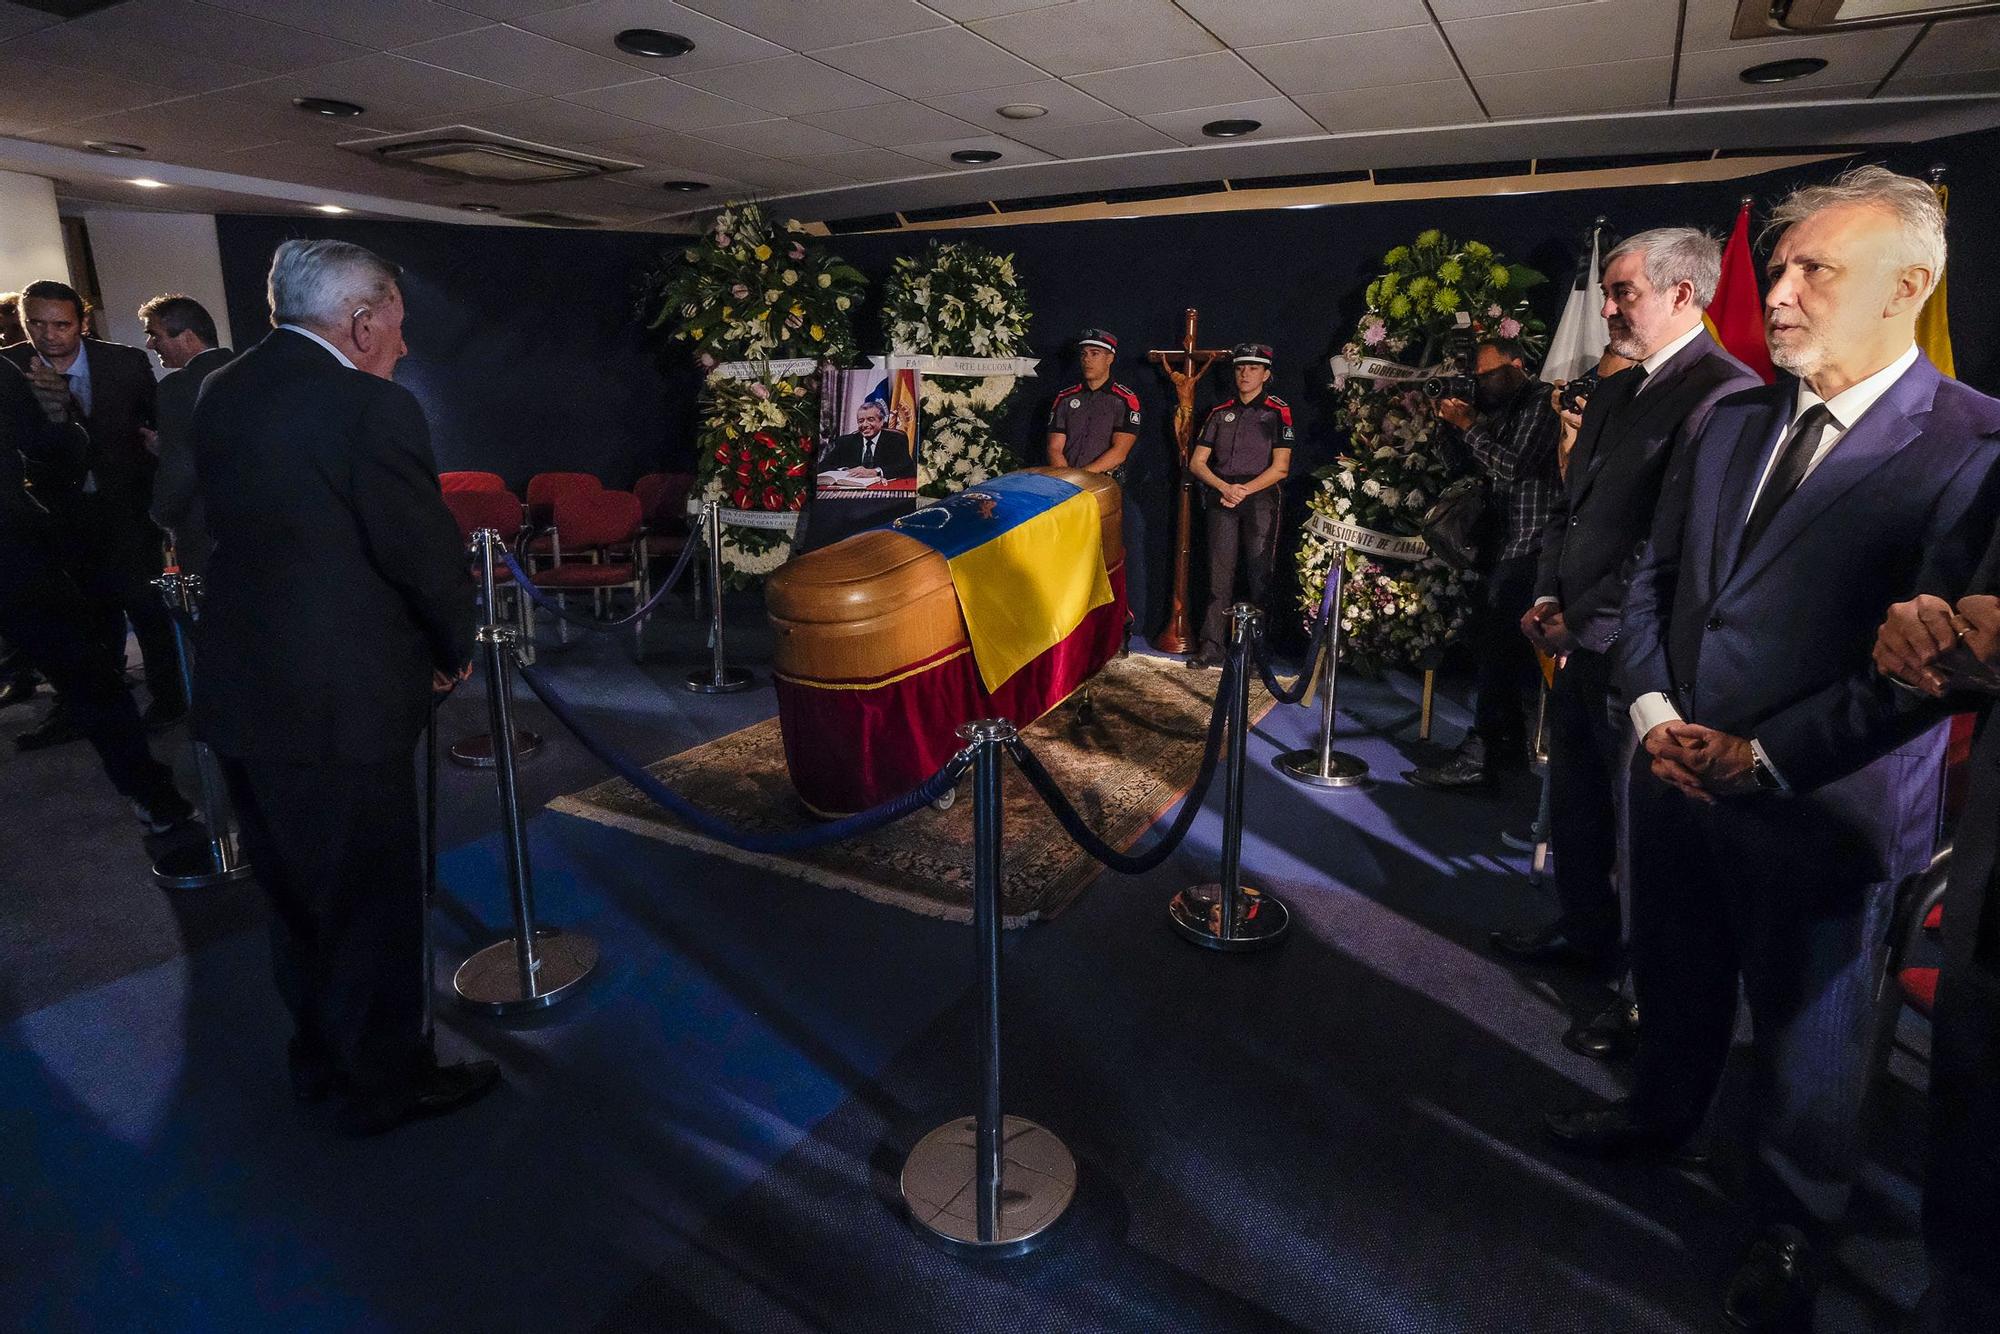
(1934, 322)
(1025, 591)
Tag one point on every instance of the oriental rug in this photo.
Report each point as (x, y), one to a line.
(1123, 763)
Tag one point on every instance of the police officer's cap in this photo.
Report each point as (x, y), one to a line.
(1254, 354)
(1103, 338)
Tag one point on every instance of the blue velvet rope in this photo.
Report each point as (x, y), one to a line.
(799, 840)
(543, 600)
(1302, 685)
(1072, 820)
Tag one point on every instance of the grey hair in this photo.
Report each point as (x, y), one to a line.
(1914, 203)
(321, 284)
(1675, 255)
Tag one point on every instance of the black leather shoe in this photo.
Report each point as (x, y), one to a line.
(55, 730)
(1462, 770)
(1610, 1131)
(1773, 1289)
(433, 1092)
(1612, 1034)
(1554, 946)
(162, 714)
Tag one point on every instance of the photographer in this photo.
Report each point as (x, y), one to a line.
(1513, 442)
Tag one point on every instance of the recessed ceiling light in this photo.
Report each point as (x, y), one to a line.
(1231, 129)
(685, 187)
(1783, 71)
(1023, 111)
(113, 148)
(652, 42)
(329, 208)
(973, 157)
(480, 208)
(147, 183)
(327, 106)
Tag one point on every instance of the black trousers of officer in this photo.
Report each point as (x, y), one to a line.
(42, 620)
(338, 850)
(113, 549)
(1247, 536)
(1507, 669)
(1589, 752)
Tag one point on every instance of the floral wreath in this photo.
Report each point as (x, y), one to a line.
(1391, 471)
(958, 300)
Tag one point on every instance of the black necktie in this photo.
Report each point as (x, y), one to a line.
(868, 451)
(1795, 455)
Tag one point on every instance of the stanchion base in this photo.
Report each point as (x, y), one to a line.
(940, 1185)
(1196, 913)
(491, 979)
(707, 682)
(196, 868)
(476, 752)
(1342, 770)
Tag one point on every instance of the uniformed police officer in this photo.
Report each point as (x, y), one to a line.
(1094, 424)
(1242, 457)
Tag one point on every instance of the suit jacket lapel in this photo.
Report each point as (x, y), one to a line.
(1731, 505)
(1588, 456)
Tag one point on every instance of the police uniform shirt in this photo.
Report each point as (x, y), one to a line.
(1088, 418)
(1242, 435)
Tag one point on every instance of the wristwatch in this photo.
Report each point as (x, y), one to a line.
(1766, 780)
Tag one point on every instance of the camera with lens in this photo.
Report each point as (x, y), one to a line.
(1571, 396)
(1461, 387)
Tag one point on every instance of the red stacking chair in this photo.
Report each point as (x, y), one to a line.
(544, 488)
(604, 527)
(663, 507)
(454, 482)
(499, 510)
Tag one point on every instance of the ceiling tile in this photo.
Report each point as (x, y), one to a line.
(1280, 117)
(1566, 37)
(550, 121)
(35, 93)
(394, 81)
(520, 60)
(1939, 85)
(15, 21)
(1851, 58)
(1784, 92)
(128, 59)
(1090, 35)
(652, 178)
(771, 174)
(1707, 26)
(1398, 106)
(802, 26)
(508, 10)
(1363, 60)
(1450, 10)
(788, 139)
(378, 24)
(1011, 152)
(1065, 105)
(593, 27)
(1173, 85)
(172, 131)
(680, 152)
(892, 124)
(182, 27)
(668, 104)
(1624, 85)
(965, 11)
(875, 164)
(1104, 139)
(790, 86)
(925, 64)
(1262, 22)
(1956, 48)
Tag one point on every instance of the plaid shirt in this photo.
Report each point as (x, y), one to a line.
(1517, 449)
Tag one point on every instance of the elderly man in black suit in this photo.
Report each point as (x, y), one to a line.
(112, 544)
(181, 333)
(338, 601)
(1656, 285)
(1785, 788)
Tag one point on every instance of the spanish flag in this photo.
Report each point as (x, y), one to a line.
(1933, 323)
(1736, 316)
(1027, 560)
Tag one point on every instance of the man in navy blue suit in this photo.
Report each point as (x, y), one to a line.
(1784, 787)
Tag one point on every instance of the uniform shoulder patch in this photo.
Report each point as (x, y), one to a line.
(1283, 408)
(1131, 399)
(1076, 388)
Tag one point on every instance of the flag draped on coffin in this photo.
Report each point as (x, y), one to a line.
(1934, 325)
(1736, 315)
(1581, 333)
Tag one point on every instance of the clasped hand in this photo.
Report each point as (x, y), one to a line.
(1233, 494)
(1929, 645)
(1701, 762)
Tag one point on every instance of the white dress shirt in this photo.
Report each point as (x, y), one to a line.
(1661, 356)
(1846, 407)
(304, 332)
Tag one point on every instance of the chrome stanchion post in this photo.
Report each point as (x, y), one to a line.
(218, 862)
(534, 969)
(720, 678)
(476, 752)
(990, 1183)
(1321, 765)
(1231, 915)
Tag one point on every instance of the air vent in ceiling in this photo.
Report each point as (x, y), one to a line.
(464, 153)
(1762, 18)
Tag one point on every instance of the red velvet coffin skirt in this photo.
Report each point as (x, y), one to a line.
(875, 673)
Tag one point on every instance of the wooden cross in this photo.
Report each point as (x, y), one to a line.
(1194, 363)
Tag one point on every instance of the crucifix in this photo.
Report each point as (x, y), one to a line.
(1193, 364)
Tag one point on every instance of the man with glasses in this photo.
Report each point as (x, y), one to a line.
(1512, 439)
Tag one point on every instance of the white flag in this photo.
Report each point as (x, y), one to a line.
(1581, 333)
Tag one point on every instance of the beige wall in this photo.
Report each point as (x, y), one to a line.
(31, 244)
(140, 255)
